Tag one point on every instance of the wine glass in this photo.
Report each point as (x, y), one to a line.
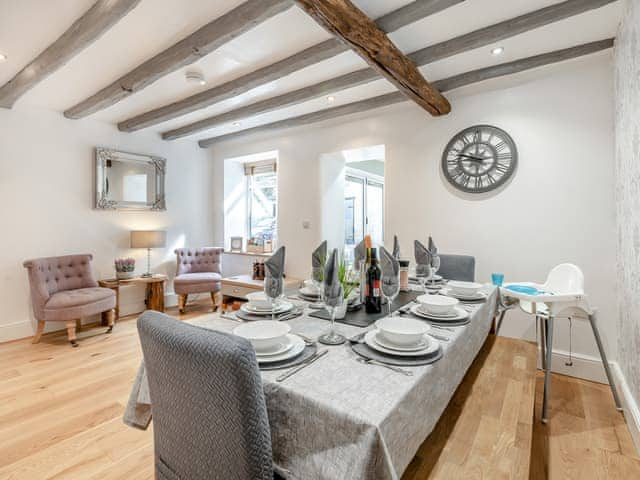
(332, 337)
(391, 290)
(435, 266)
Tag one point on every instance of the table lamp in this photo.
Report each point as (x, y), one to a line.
(148, 239)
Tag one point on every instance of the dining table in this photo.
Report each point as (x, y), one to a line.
(339, 418)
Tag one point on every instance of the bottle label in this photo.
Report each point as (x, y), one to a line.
(376, 288)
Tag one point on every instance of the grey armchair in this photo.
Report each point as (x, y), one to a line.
(209, 412)
(457, 267)
(198, 270)
(63, 290)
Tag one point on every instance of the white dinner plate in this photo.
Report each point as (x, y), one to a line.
(383, 342)
(297, 346)
(285, 346)
(431, 346)
(461, 314)
(450, 293)
(280, 308)
(453, 313)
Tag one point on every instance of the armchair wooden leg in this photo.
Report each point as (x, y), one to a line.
(110, 315)
(182, 301)
(39, 330)
(78, 324)
(214, 299)
(71, 332)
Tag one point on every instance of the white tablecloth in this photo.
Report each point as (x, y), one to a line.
(341, 419)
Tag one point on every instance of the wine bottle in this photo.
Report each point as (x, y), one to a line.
(373, 296)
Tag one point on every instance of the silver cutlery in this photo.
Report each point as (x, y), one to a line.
(229, 317)
(304, 364)
(307, 340)
(448, 329)
(438, 337)
(369, 361)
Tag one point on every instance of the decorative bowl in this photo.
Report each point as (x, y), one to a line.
(464, 288)
(124, 275)
(264, 335)
(437, 304)
(402, 331)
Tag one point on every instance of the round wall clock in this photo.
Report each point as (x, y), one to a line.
(479, 159)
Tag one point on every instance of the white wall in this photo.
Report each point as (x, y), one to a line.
(559, 206)
(46, 198)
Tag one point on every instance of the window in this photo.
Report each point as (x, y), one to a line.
(262, 200)
(364, 207)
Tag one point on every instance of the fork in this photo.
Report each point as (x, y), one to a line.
(369, 361)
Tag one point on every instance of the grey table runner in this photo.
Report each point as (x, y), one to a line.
(339, 418)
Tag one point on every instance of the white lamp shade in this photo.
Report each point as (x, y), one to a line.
(148, 239)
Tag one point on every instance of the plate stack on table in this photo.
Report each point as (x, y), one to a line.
(310, 292)
(440, 310)
(398, 341)
(465, 291)
(275, 346)
(261, 307)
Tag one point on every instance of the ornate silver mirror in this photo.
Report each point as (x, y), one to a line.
(129, 181)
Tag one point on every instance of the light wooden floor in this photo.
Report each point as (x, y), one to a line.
(61, 418)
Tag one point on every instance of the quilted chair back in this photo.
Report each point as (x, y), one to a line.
(198, 260)
(457, 267)
(209, 412)
(56, 274)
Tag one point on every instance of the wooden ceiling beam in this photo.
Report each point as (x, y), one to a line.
(404, 16)
(476, 39)
(188, 50)
(443, 85)
(83, 32)
(352, 26)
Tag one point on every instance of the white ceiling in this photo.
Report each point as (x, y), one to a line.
(29, 26)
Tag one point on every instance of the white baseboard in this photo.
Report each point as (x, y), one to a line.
(629, 405)
(15, 331)
(585, 367)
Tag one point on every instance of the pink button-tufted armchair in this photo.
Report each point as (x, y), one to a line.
(63, 290)
(198, 271)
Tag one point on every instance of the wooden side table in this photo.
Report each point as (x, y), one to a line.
(154, 296)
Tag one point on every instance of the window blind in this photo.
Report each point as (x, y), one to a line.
(264, 166)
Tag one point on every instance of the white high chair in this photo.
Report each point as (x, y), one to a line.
(561, 295)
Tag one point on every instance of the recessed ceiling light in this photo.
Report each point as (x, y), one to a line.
(236, 124)
(3, 57)
(497, 51)
(195, 76)
(331, 98)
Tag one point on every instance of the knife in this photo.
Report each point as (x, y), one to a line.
(304, 364)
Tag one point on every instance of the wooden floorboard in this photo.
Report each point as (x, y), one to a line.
(61, 416)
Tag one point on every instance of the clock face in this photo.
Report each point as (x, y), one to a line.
(479, 159)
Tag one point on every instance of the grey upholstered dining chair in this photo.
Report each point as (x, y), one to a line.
(63, 290)
(209, 412)
(457, 267)
(198, 270)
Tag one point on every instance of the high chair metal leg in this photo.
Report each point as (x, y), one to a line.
(547, 370)
(605, 363)
(543, 339)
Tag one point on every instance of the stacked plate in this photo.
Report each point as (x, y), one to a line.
(465, 291)
(271, 340)
(403, 337)
(439, 308)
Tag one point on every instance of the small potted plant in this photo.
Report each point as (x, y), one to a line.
(348, 287)
(125, 268)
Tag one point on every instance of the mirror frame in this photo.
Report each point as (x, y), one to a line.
(102, 155)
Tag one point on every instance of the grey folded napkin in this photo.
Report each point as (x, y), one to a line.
(396, 247)
(332, 287)
(274, 273)
(431, 246)
(423, 258)
(390, 273)
(138, 411)
(318, 259)
(359, 255)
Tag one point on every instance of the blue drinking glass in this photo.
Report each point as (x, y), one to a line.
(497, 279)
